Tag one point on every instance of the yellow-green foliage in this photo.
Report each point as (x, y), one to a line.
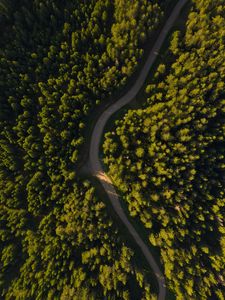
(58, 60)
(171, 168)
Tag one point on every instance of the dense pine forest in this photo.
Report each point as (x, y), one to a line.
(59, 60)
(167, 159)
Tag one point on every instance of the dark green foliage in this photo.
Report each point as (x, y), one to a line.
(59, 59)
(169, 158)
(74, 251)
(51, 80)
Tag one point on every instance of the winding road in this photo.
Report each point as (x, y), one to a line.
(94, 160)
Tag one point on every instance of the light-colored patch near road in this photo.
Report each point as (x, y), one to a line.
(94, 160)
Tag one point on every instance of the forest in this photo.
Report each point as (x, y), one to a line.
(59, 60)
(167, 158)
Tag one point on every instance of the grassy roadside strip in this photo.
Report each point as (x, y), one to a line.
(141, 98)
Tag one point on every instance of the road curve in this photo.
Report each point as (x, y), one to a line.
(94, 160)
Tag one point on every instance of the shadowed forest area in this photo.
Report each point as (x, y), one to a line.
(167, 158)
(60, 60)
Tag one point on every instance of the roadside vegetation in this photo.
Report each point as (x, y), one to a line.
(59, 61)
(167, 158)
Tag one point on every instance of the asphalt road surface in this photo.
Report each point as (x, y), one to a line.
(94, 159)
